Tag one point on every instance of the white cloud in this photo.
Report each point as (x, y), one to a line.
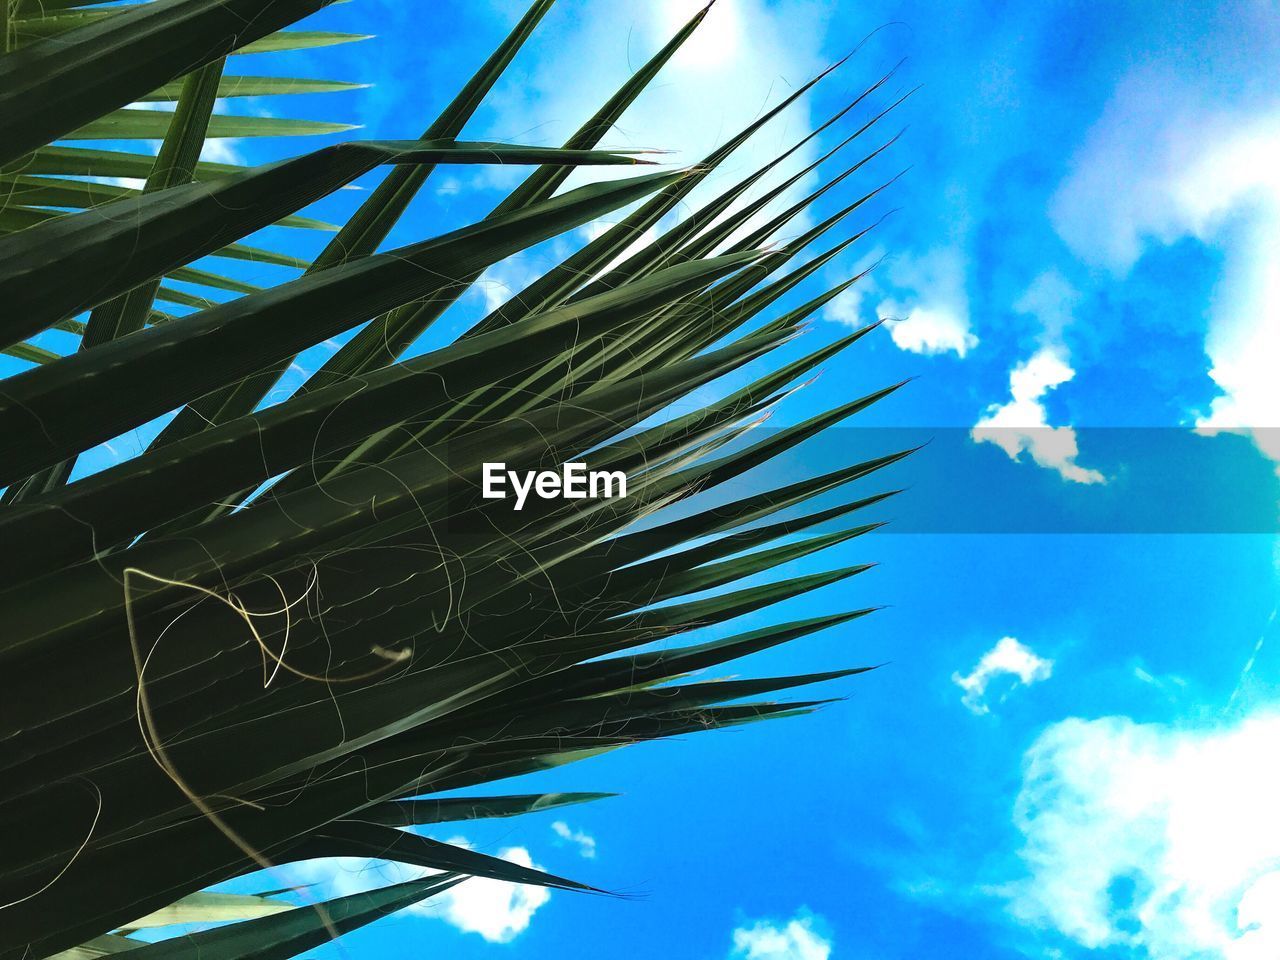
(495, 910)
(1170, 684)
(1154, 838)
(794, 940)
(930, 309)
(222, 150)
(502, 281)
(1163, 163)
(1051, 300)
(585, 843)
(848, 307)
(1022, 425)
(928, 329)
(597, 229)
(133, 183)
(1009, 657)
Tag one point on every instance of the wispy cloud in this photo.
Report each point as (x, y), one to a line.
(796, 939)
(1008, 658)
(585, 843)
(1165, 162)
(849, 307)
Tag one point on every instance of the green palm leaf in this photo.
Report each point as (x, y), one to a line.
(249, 86)
(298, 930)
(210, 908)
(325, 561)
(48, 90)
(176, 226)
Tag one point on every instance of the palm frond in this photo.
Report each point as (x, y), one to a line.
(326, 564)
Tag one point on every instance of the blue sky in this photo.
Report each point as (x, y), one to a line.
(1068, 752)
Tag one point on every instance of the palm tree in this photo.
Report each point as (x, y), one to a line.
(285, 628)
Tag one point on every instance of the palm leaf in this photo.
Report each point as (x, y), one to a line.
(210, 908)
(408, 813)
(102, 946)
(178, 225)
(149, 593)
(250, 86)
(298, 930)
(47, 90)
